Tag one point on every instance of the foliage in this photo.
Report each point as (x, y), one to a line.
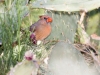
(15, 18)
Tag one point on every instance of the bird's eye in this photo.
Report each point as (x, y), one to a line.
(45, 18)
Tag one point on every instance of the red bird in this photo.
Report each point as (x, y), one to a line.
(41, 29)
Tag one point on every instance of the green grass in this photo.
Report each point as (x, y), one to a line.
(14, 30)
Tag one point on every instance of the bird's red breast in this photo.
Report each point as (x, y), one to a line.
(42, 27)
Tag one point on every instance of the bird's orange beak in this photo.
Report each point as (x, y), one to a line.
(49, 19)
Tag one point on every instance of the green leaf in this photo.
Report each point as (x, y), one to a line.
(67, 5)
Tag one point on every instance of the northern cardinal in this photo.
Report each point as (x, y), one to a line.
(41, 29)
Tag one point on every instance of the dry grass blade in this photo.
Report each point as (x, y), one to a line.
(81, 49)
(90, 51)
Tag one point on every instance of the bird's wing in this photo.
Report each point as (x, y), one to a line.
(36, 25)
(33, 27)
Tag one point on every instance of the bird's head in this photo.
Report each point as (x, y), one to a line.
(46, 17)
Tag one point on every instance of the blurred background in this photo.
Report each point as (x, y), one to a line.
(17, 15)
